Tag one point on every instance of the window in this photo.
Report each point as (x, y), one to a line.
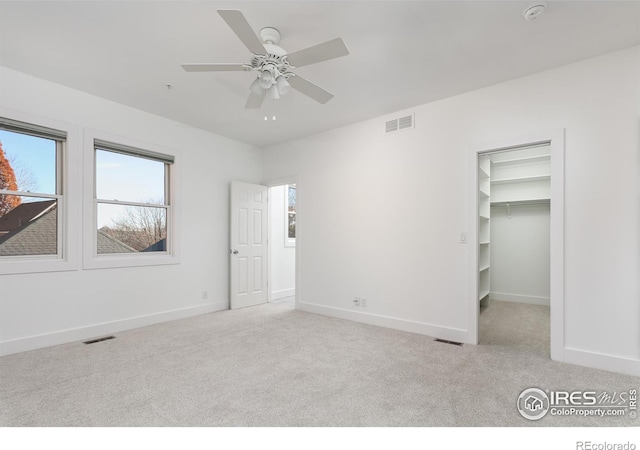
(132, 200)
(31, 194)
(290, 215)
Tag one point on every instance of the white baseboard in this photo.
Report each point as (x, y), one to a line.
(602, 361)
(569, 355)
(517, 298)
(283, 293)
(101, 329)
(450, 334)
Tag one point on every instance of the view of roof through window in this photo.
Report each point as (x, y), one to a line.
(28, 186)
(130, 191)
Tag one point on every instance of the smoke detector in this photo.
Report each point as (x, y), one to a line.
(534, 11)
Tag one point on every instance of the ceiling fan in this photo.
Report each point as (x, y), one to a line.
(273, 64)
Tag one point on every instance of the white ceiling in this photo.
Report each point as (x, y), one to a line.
(402, 54)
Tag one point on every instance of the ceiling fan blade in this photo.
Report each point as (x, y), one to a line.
(309, 89)
(318, 53)
(212, 67)
(255, 100)
(240, 26)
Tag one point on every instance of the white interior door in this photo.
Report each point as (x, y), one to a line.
(248, 252)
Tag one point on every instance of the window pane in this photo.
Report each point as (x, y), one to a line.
(291, 211)
(292, 226)
(291, 196)
(27, 163)
(131, 229)
(129, 178)
(28, 226)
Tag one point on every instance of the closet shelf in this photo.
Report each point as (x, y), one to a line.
(523, 202)
(483, 217)
(483, 268)
(483, 194)
(521, 179)
(524, 160)
(483, 173)
(484, 243)
(483, 294)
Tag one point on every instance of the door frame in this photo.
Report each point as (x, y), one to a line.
(555, 138)
(274, 183)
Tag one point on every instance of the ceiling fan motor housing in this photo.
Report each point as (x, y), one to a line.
(273, 63)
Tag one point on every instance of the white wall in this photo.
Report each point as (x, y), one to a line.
(282, 259)
(48, 308)
(520, 264)
(380, 215)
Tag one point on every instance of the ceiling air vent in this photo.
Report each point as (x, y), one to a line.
(402, 123)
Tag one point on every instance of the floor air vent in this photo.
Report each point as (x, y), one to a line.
(93, 341)
(459, 344)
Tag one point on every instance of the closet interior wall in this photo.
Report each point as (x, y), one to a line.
(516, 255)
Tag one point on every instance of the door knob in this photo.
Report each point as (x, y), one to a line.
(233, 252)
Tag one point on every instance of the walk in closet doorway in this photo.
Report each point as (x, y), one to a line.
(518, 257)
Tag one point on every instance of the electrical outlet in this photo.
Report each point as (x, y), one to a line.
(205, 295)
(356, 301)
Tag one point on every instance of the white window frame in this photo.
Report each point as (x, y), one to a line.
(93, 260)
(68, 157)
(288, 242)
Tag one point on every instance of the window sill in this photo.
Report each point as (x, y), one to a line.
(118, 261)
(24, 265)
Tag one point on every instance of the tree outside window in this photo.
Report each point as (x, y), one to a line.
(290, 218)
(30, 190)
(132, 200)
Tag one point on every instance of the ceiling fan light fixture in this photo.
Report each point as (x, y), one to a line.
(273, 92)
(265, 79)
(255, 87)
(283, 85)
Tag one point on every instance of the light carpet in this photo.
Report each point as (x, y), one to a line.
(271, 365)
